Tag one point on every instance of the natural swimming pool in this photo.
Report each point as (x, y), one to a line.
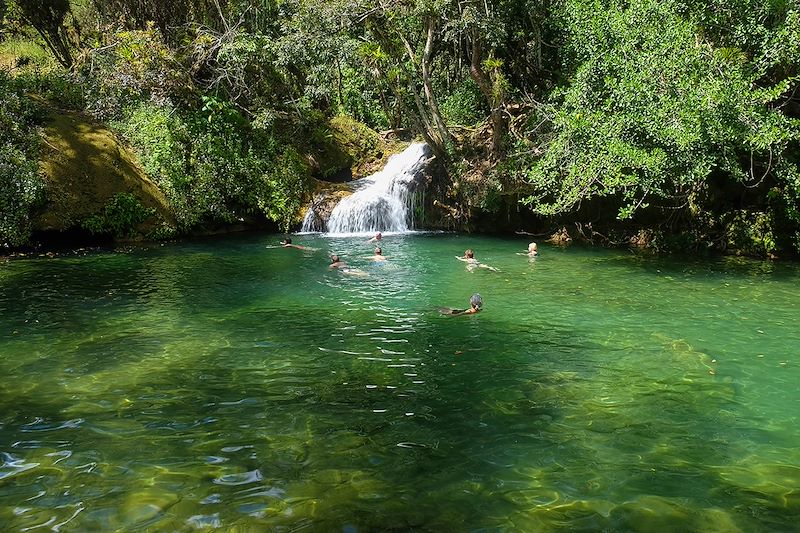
(221, 383)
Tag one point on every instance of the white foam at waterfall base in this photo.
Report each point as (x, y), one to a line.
(381, 201)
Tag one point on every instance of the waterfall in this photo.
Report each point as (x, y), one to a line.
(380, 202)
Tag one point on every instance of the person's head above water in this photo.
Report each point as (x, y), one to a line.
(533, 248)
(378, 251)
(378, 236)
(287, 240)
(469, 254)
(334, 258)
(476, 301)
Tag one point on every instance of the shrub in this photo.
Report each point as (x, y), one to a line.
(121, 216)
(466, 105)
(213, 167)
(360, 99)
(58, 87)
(750, 233)
(21, 186)
(138, 66)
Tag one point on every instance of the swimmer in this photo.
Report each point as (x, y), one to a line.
(472, 263)
(533, 251)
(378, 255)
(376, 238)
(287, 243)
(337, 264)
(475, 306)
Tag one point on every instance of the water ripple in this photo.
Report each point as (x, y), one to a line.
(243, 478)
(12, 466)
(40, 425)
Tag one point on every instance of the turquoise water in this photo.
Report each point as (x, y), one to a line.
(225, 384)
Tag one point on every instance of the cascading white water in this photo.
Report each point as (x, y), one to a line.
(381, 201)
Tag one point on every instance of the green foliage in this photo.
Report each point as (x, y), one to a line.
(284, 187)
(750, 233)
(159, 136)
(135, 65)
(49, 19)
(21, 186)
(58, 87)
(650, 112)
(465, 105)
(360, 99)
(121, 216)
(648, 105)
(214, 169)
(26, 53)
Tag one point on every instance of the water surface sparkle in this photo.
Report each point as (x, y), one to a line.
(230, 384)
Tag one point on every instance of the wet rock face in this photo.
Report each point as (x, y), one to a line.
(319, 212)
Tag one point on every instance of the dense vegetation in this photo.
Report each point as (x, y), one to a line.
(675, 120)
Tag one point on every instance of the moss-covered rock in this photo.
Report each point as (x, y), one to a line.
(343, 149)
(89, 174)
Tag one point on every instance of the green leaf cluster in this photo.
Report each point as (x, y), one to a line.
(652, 112)
(212, 167)
(120, 217)
(21, 185)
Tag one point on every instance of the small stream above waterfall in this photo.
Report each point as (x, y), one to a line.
(382, 202)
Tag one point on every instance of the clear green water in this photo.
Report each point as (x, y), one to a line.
(225, 384)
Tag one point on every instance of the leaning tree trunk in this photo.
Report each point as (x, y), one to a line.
(48, 18)
(493, 98)
(427, 58)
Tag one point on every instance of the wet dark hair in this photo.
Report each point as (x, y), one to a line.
(476, 300)
(287, 240)
(378, 251)
(469, 253)
(334, 258)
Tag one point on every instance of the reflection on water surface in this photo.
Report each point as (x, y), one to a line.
(225, 384)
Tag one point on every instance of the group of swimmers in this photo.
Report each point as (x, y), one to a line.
(475, 301)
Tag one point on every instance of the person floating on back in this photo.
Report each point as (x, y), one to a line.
(475, 306)
(287, 243)
(337, 264)
(472, 263)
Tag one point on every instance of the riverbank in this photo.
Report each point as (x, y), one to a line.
(97, 192)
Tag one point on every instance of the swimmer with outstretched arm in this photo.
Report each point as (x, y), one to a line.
(475, 306)
(376, 238)
(287, 243)
(533, 250)
(472, 263)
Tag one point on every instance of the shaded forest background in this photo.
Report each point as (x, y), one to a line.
(673, 124)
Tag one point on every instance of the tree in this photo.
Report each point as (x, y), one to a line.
(48, 17)
(653, 112)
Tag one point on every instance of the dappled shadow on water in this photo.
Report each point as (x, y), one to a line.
(231, 392)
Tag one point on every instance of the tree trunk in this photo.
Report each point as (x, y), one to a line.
(427, 57)
(495, 102)
(417, 121)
